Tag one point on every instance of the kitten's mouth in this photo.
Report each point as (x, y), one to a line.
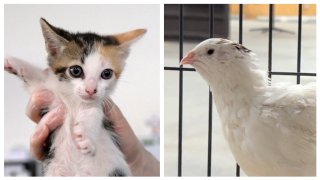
(88, 98)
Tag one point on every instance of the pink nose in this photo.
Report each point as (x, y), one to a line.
(91, 91)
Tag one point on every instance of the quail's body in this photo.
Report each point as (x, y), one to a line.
(271, 130)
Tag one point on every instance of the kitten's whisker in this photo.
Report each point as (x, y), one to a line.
(107, 105)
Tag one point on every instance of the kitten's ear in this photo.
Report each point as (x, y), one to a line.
(55, 43)
(126, 39)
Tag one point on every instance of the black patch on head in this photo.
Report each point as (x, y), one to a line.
(61, 72)
(117, 172)
(86, 41)
(108, 125)
(240, 47)
(110, 40)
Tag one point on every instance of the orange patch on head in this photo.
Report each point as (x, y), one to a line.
(113, 54)
(130, 36)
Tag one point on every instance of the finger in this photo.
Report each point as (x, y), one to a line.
(38, 103)
(120, 124)
(54, 118)
(129, 142)
(113, 112)
(37, 141)
(48, 123)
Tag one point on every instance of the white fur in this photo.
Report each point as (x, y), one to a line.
(82, 146)
(271, 130)
(96, 64)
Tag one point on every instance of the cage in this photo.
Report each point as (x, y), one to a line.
(265, 31)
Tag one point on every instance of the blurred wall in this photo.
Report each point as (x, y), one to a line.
(251, 11)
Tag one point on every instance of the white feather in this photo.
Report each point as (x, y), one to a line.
(271, 130)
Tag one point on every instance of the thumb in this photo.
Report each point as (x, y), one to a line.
(37, 141)
(113, 112)
(129, 143)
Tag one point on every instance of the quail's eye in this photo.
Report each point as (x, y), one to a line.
(210, 51)
(106, 74)
(75, 71)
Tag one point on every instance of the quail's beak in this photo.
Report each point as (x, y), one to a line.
(188, 59)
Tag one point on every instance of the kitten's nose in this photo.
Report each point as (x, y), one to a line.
(91, 91)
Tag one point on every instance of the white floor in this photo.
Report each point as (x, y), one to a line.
(195, 97)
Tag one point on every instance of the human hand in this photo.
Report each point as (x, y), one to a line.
(38, 104)
(141, 162)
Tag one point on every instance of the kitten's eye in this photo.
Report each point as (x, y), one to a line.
(210, 51)
(75, 71)
(106, 74)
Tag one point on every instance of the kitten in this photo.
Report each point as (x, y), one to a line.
(83, 71)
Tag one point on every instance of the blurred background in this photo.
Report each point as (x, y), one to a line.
(137, 93)
(195, 89)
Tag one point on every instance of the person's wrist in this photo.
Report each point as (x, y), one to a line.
(135, 160)
(151, 166)
(144, 163)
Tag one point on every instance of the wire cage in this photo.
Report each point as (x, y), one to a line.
(298, 74)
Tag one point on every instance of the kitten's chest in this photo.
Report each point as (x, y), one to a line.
(82, 112)
(81, 141)
(87, 114)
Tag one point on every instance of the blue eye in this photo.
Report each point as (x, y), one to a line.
(106, 74)
(75, 71)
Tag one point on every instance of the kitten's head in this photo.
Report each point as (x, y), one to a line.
(90, 62)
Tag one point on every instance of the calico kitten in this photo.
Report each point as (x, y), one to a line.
(83, 71)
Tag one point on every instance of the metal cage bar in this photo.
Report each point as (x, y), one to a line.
(240, 22)
(270, 41)
(272, 73)
(180, 90)
(240, 41)
(299, 43)
(210, 101)
(181, 69)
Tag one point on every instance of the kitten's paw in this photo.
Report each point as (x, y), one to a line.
(83, 143)
(86, 147)
(10, 65)
(25, 71)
